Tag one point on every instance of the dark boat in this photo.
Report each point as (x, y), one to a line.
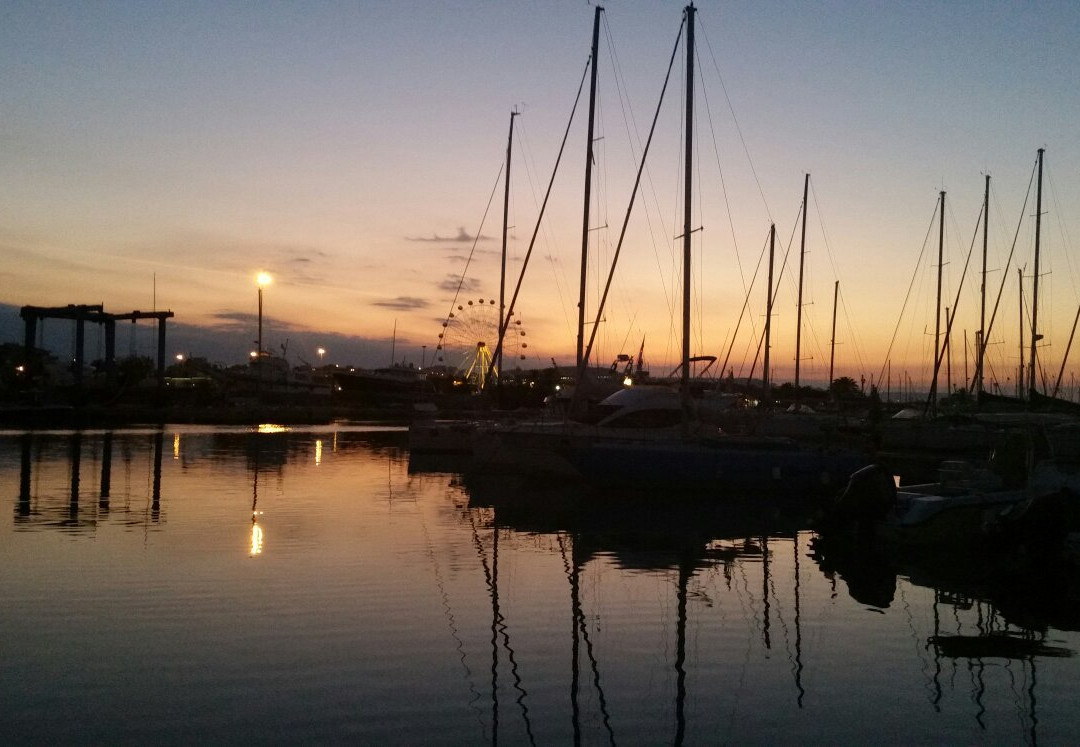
(393, 384)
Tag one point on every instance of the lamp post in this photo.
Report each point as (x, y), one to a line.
(263, 279)
(321, 352)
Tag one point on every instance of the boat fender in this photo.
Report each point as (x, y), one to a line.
(870, 495)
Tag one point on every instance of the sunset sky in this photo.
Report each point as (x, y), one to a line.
(164, 153)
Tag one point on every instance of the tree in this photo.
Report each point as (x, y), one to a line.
(845, 389)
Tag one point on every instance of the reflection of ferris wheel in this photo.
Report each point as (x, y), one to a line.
(470, 336)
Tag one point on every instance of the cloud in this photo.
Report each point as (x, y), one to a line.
(468, 285)
(463, 237)
(235, 321)
(402, 303)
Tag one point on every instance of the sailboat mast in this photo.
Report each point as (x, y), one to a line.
(768, 315)
(948, 352)
(982, 310)
(1065, 357)
(588, 188)
(687, 197)
(1020, 371)
(798, 303)
(832, 342)
(506, 218)
(1035, 337)
(937, 303)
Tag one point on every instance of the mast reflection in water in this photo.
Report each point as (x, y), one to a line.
(405, 606)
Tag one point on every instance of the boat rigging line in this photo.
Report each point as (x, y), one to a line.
(746, 301)
(626, 219)
(504, 321)
(633, 139)
(472, 250)
(907, 296)
(836, 277)
(1008, 261)
(770, 299)
(951, 317)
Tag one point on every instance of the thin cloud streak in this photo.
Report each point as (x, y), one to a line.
(402, 303)
(463, 237)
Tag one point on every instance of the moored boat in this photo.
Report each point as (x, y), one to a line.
(1013, 501)
(382, 385)
(718, 463)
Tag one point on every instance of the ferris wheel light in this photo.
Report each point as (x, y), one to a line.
(467, 343)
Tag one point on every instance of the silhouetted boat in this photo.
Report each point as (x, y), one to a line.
(271, 375)
(392, 384)
(1022, 499)
(716, 461)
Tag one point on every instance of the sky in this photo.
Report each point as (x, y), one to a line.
(160, 155)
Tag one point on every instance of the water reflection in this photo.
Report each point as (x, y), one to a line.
(993, 618)
(686, 542)
(1031, 595)
(693, 540)
(40, 457)
(256, 541)
(106, 472)
(387, 599)
(87, 461)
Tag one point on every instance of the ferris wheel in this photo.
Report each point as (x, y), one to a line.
(469, 339)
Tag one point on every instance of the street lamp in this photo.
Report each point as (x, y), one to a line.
(321, 352)
(262, 280)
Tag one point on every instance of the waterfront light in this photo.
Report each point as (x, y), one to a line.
(256, 541)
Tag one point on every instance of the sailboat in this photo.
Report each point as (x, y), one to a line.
(615, 410)
(715, 460)
(974, 431)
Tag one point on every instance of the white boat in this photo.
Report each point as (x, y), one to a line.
(1015, 498)
(539, 447)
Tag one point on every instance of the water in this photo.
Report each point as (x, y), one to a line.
(220, 584)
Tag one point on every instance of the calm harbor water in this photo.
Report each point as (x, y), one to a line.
(197, 584)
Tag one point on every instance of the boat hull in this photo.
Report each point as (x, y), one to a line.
(721, 464)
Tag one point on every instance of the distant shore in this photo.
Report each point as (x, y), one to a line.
(97, 416)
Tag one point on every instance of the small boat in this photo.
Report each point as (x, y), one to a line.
(1015, 500)
(430, 435)
(717, 462)
(540, 446)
